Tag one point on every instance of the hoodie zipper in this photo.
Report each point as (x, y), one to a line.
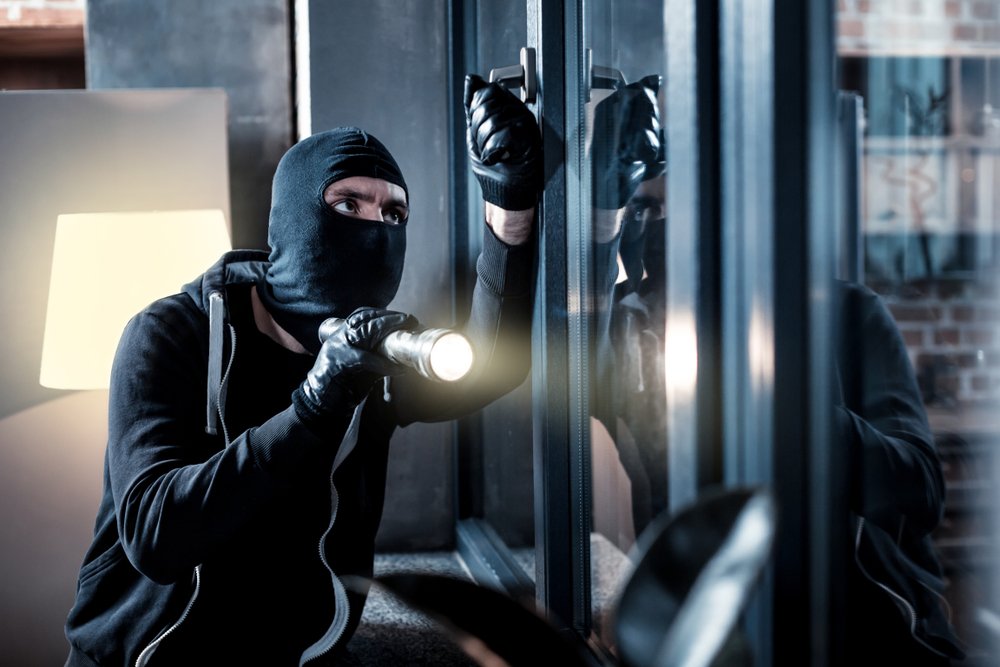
(342, 609)
(896, 596)
(151, 647)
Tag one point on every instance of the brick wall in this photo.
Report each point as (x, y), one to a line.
(950, 327)
(951, 330)
(918, 26)
(42, 44)
(41, 13)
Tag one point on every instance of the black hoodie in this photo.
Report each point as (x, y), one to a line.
(215, 541)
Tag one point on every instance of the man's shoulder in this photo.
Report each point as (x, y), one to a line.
(174, 316)
(179, 306)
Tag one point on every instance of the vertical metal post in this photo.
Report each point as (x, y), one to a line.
(561, 471)
(693, 315)
(812, 535)
(778, 126)
(850, 113)
(747, 268)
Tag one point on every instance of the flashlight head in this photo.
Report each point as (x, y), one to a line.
(450, 357)
(439, 354)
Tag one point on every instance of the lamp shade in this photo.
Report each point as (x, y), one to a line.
(106, 267)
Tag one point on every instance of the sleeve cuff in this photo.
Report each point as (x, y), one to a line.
(515, 197)
(505, 269)
(283, 440)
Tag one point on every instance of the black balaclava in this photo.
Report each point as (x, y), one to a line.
(323, 263)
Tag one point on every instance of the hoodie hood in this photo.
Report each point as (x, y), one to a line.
(208, 291)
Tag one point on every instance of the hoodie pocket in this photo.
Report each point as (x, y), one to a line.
(114, 554)
(118, 611)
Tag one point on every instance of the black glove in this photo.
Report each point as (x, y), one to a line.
(347, 365)
(627, 145)
(505, 146)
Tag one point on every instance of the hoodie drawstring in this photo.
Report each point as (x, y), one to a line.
(215, 348)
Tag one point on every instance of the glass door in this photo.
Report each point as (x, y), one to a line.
(705, 201)
(622, 381)
(680, 336)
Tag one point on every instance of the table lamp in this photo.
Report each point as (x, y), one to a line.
(106, 267)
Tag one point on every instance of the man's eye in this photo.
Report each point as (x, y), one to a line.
(642, 213)
(635, 213)
(345, 206)
(394, 216)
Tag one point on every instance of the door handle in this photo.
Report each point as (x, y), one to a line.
(602, 78)
(521, 76)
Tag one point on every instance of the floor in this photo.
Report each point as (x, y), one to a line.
(393, 634)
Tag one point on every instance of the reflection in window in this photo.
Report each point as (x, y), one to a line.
(624, 159)
(929, 75)
(932, 141)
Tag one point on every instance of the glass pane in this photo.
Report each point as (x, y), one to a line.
(925, 230)
(506, 474)
(624, 164)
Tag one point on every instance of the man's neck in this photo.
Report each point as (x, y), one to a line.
(267, 326)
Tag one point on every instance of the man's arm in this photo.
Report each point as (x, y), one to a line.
(894, 462)
(177, 496)
(505, 154)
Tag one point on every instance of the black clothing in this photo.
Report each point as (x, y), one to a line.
(221, 548)
(897, 492)
(323, 263)
(896, 612)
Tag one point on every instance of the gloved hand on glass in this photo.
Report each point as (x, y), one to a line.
(627, 146)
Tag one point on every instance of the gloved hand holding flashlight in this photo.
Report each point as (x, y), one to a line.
(438, 354)
(348, 364)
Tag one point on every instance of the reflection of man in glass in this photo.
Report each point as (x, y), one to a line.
(629, 288)
(896, 614)
(896, 609)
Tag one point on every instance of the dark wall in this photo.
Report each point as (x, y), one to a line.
(243, 46)
(382, 65)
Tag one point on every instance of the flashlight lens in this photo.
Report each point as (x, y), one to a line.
(451, 357)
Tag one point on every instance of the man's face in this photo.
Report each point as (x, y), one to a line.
(648, 203)
(368, 198)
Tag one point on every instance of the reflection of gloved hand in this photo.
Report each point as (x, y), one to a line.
(347, 365)
(627, 145)
(505, 146)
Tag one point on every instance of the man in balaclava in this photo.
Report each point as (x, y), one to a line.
(246, 459)
(325, 262)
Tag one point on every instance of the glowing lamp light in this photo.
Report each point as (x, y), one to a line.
(106, 267)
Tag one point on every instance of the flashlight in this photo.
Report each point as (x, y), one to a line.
(438, 354)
